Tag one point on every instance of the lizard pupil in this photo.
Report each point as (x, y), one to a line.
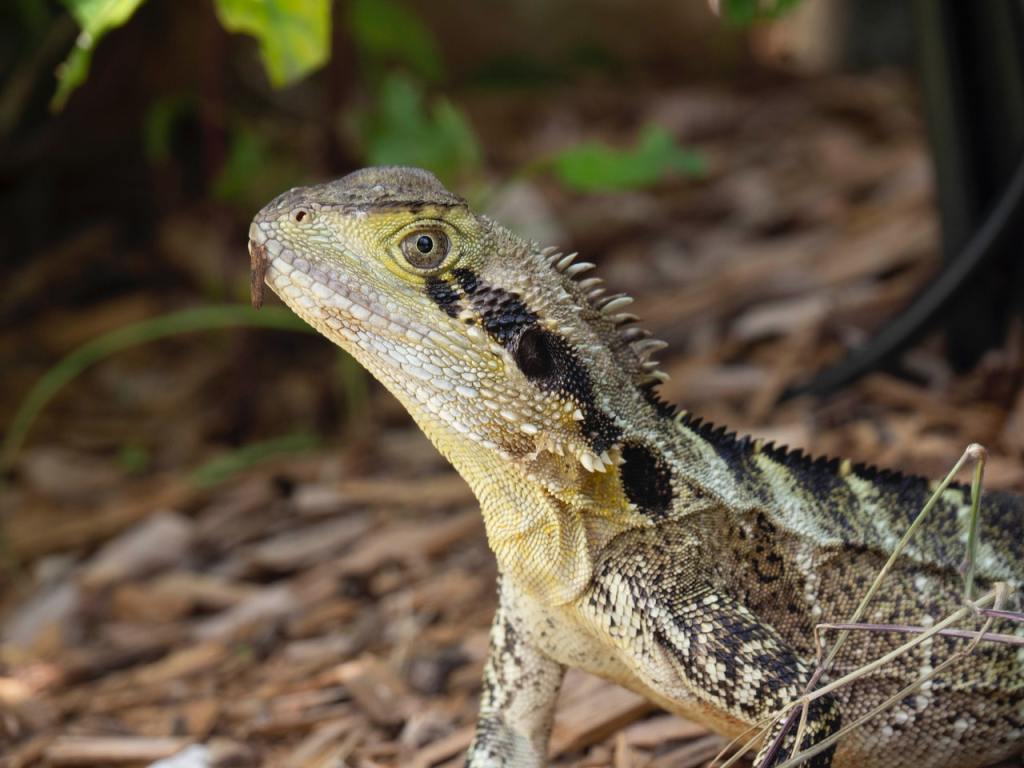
(425, 244)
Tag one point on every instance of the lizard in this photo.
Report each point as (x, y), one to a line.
(633, 540)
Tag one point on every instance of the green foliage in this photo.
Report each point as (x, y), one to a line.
(255, 170)
(596, 167)
(96, 18)
(402, 129)
(401, 126)
(294, 35)
(743, 13)
(386, 31)
(518, 70)
(185, 321)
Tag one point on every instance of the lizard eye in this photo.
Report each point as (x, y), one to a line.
(425, 248)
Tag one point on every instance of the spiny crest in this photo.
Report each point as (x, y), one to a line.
(637, 347)
(635, 353)
(794, 459)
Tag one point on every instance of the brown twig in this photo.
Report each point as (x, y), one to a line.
(258, 263)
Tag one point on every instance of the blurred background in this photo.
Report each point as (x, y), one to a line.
(222, 541)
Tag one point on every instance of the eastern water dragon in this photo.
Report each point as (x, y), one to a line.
(634, 541)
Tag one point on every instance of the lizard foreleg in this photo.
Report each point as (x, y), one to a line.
(520, 687)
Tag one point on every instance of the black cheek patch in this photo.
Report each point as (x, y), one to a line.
(646, 480)
(534, 354)
(550, 362)
(545, 358)
(442, 294)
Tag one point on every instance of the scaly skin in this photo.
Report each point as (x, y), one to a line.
(633, 542)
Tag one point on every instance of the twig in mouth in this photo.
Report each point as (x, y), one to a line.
(258, 262)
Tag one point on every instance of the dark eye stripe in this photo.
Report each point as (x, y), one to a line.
(444, 295)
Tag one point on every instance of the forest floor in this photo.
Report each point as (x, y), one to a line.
(326, 603)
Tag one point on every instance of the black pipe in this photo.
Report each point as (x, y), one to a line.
(985, 245)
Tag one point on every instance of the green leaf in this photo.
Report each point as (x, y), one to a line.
(294, 35)
(96, 18)
(255, 169)
(596, 167)
(743, 13)
(402, 130)
(389, 31)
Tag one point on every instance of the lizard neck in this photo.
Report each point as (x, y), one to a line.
(546, 518)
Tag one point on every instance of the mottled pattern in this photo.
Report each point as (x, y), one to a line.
(635, 542)
(442, 294)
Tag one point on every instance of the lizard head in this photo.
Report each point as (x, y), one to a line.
(493, 344)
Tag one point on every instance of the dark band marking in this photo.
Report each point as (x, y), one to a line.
(467, 279)
(824, 718)
(544, 357)
(441, 293)
(502, 313)
(646, 480)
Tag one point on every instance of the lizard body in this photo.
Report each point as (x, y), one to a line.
(635, 542)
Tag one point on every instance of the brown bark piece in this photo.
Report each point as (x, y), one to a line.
(586, 720)
(111, 750)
